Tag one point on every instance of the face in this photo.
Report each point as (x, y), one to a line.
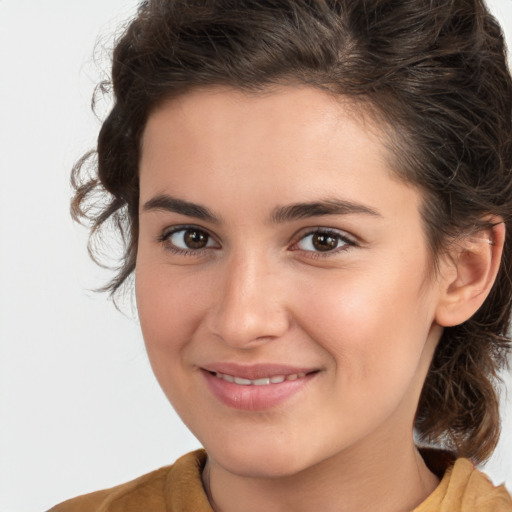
(282, 278)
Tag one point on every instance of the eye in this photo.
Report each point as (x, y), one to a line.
(188, 239)
(323, 241)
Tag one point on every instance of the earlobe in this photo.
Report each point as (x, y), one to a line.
(468, 272)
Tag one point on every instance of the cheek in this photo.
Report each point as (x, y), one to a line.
(168, 309)
(169, 312)
(374, 326)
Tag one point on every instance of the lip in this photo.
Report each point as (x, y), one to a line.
(253, 397)
(256, 371)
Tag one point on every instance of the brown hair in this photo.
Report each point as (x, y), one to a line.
(434, 70)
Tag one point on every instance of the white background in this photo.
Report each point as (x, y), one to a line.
(79, 408)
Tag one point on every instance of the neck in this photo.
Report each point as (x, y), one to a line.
(392, 482)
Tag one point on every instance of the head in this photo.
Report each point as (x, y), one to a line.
(432, 77)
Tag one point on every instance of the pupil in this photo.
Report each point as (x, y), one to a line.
(324, 242)
(195, 239)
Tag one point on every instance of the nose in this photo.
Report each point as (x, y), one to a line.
(250, 307)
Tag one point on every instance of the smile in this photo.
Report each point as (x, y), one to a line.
(258, 387)
(264, 381)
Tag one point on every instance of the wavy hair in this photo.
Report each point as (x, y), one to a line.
(434, 71)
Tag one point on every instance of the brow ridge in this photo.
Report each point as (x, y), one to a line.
(298, 211)
(168, 203)
(280, 214)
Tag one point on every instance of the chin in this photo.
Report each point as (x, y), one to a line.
(260, 460)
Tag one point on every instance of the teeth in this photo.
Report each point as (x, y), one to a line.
(243, 382)
(261, 382)
(265, 381)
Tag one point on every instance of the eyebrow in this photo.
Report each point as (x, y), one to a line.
(318, 208)
(172, 204)
(280, 214)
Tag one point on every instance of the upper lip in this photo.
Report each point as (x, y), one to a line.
(256, 371)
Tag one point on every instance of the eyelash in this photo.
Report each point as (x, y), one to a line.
(164, 238)
(342, 237)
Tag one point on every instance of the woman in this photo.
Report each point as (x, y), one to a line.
(315, 197)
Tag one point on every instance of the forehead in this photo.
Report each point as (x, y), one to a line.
(298, 142)
(208, 107)
(210, 119)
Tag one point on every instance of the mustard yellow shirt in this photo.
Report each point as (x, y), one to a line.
(178, 488)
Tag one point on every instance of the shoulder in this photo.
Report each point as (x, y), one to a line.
(464, 488)
(158, 491)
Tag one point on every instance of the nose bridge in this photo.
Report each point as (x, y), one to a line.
(250, 309)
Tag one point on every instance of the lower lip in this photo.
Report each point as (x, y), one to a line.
(254, 398)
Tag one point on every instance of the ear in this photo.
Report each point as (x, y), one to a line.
(467, 273)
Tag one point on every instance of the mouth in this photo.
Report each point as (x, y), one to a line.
(257, 387)
(263, 381)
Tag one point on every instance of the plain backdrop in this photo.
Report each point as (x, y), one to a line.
(79, 407)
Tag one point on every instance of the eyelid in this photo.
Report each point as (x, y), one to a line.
(349, 240)
(166, 233)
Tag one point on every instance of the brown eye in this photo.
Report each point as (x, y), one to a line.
(190, 239)
(194, 239)
(324, 241)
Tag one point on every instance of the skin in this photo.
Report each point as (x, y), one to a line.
(364, 314)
